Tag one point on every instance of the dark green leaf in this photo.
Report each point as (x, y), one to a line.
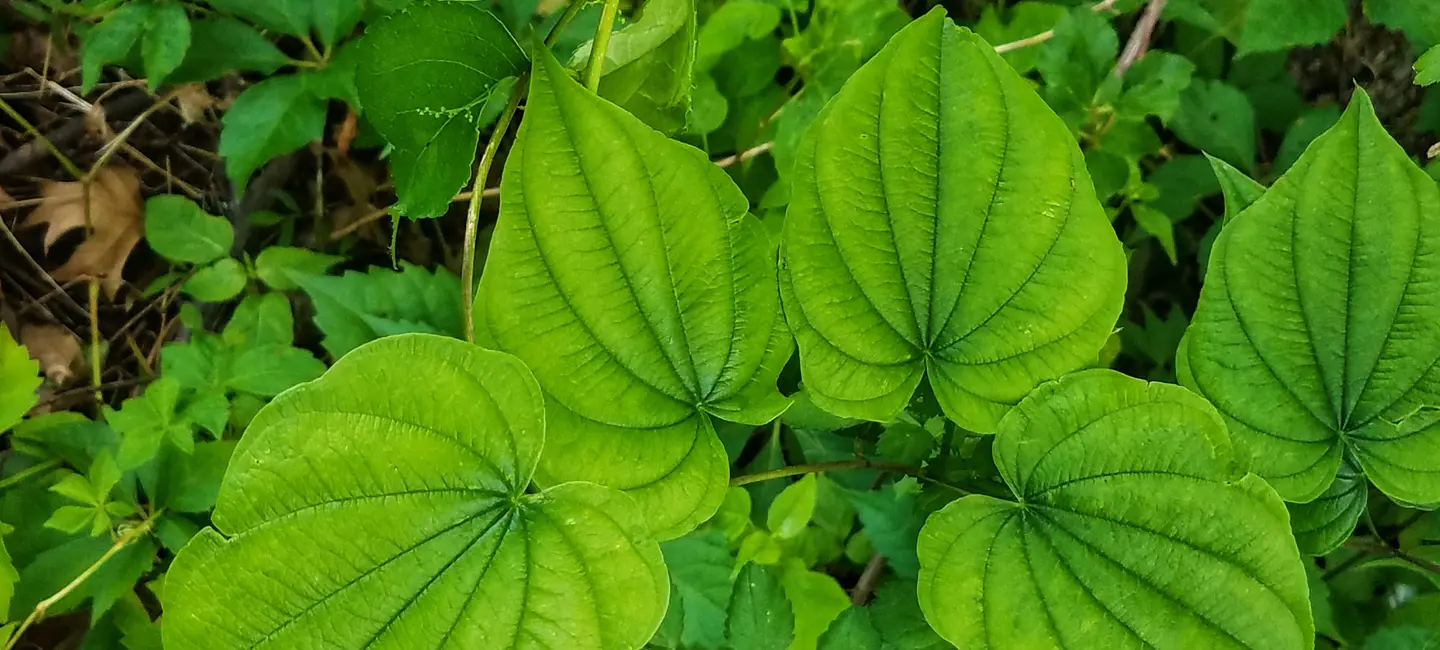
(760, 617)
(167, 38)
(1322, 525)
(359, 307)
(1272, 25)
(700, 572)
(271, 369)
(1078, 59)
(112, 40)
(853, 630)
(649, 64)
(220, 44)
(269, 119)
(1218, 119)
(1154, 85)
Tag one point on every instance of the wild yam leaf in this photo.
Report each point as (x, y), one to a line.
(1131, 529)
(649, 65)
(373, 491)
(626, 272)
(1322, 525)
(1317, 334)
(943, 221)
(424, 76)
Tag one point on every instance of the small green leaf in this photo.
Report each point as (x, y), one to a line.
(1310, 125)
(760, 617)
(700, 571)
(1315, 333)
(359, 307)
(424, 75)
(332, 20)
(209, 411)
(1154, 85)
(1158, 225)
(1078, 59)
(8, 577)
(910, 247)
(146, 421)
(1418, 19)
(71, 519)
(76, 488)
(1240, 190)
(853, 630)
(277, 266)
(271, 369)
(285, 16)
(177, 229)
(790, 513)
(220, 44)
(644, 300)
(1273, 25)
(896, 614)
(218, 282)
(731, 25)
(271, 118)
(1217, 118)
(1427, 68)
(19, 378)
(891, 521)
(369, 489)
(906, 443)
(167, 37)
(260, 320)
(1131, 528)
(649, 64)
(112, 39)
(816, 599)
(1025, 19)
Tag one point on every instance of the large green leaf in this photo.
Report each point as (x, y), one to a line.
(425, 76)
(1324, 524)
(385, 505)
(1131, 529)
(1317, 331)
(626, 273)
(942, 221)
(760, 617)
(19, 377)
(649, 65)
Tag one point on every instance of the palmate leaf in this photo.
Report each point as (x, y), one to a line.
(626, 273)
(943, 222)
(1131, 529)
(1317, 334)
(381, 507)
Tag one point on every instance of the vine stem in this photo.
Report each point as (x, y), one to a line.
(1049, 33)
(140, 530)
(601, 44)
(39, 468)
(814, 468)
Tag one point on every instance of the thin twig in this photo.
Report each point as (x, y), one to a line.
(114, 145)
(1375, 547)
(868, 578)
(65, 161)
(140, 530)
(1047, 34)
(815, 468)
(472, 213)
(745, 156)
(1140, 37)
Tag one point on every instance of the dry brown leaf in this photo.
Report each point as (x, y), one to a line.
(97, 124)
(55, 349)
(193, 101)
(345, 134)
(118, 217)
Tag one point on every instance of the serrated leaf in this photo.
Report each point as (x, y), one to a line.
(217, 282)
(423, 75)
(370, 489)
(760, 617)
(112, 39)
(269, 370)
(167, 37)
(220, 44)
(19, 378)
(645, 308)
(1132, 529)
(1315, 334)
(271, 118)
(816, 599)
(146, 421)
(177, 229)
(853, 630)
(71, 519)
(896, 171)
(359, 307)
(649, 65)
(277, 266)
(117, 576)
(891, 521)
(791, 511)
(1427, 67)
(1273, 25)
(700, 571)
(1324, 524)
(1217, 118)
(905, 443)
(209, 411)
(1240, 190)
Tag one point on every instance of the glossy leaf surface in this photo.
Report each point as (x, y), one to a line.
(627, 274)
(378, 507)
(943, 222)
(1130, 529)
(1317, 331)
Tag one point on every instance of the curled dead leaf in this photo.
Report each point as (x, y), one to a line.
(55, 349)
(116, 214)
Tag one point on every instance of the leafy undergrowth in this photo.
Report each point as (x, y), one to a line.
(773, 295)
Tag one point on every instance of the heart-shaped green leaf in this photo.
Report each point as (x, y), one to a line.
(1318, 332)
(1130, 529)
(943, 221)
(385, 505)
(626, 272)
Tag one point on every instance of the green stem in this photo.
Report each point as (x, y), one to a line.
(570, 13)
(39, 468)
(65, 161)
(814, 468)
(472, 213)
(602, 43)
